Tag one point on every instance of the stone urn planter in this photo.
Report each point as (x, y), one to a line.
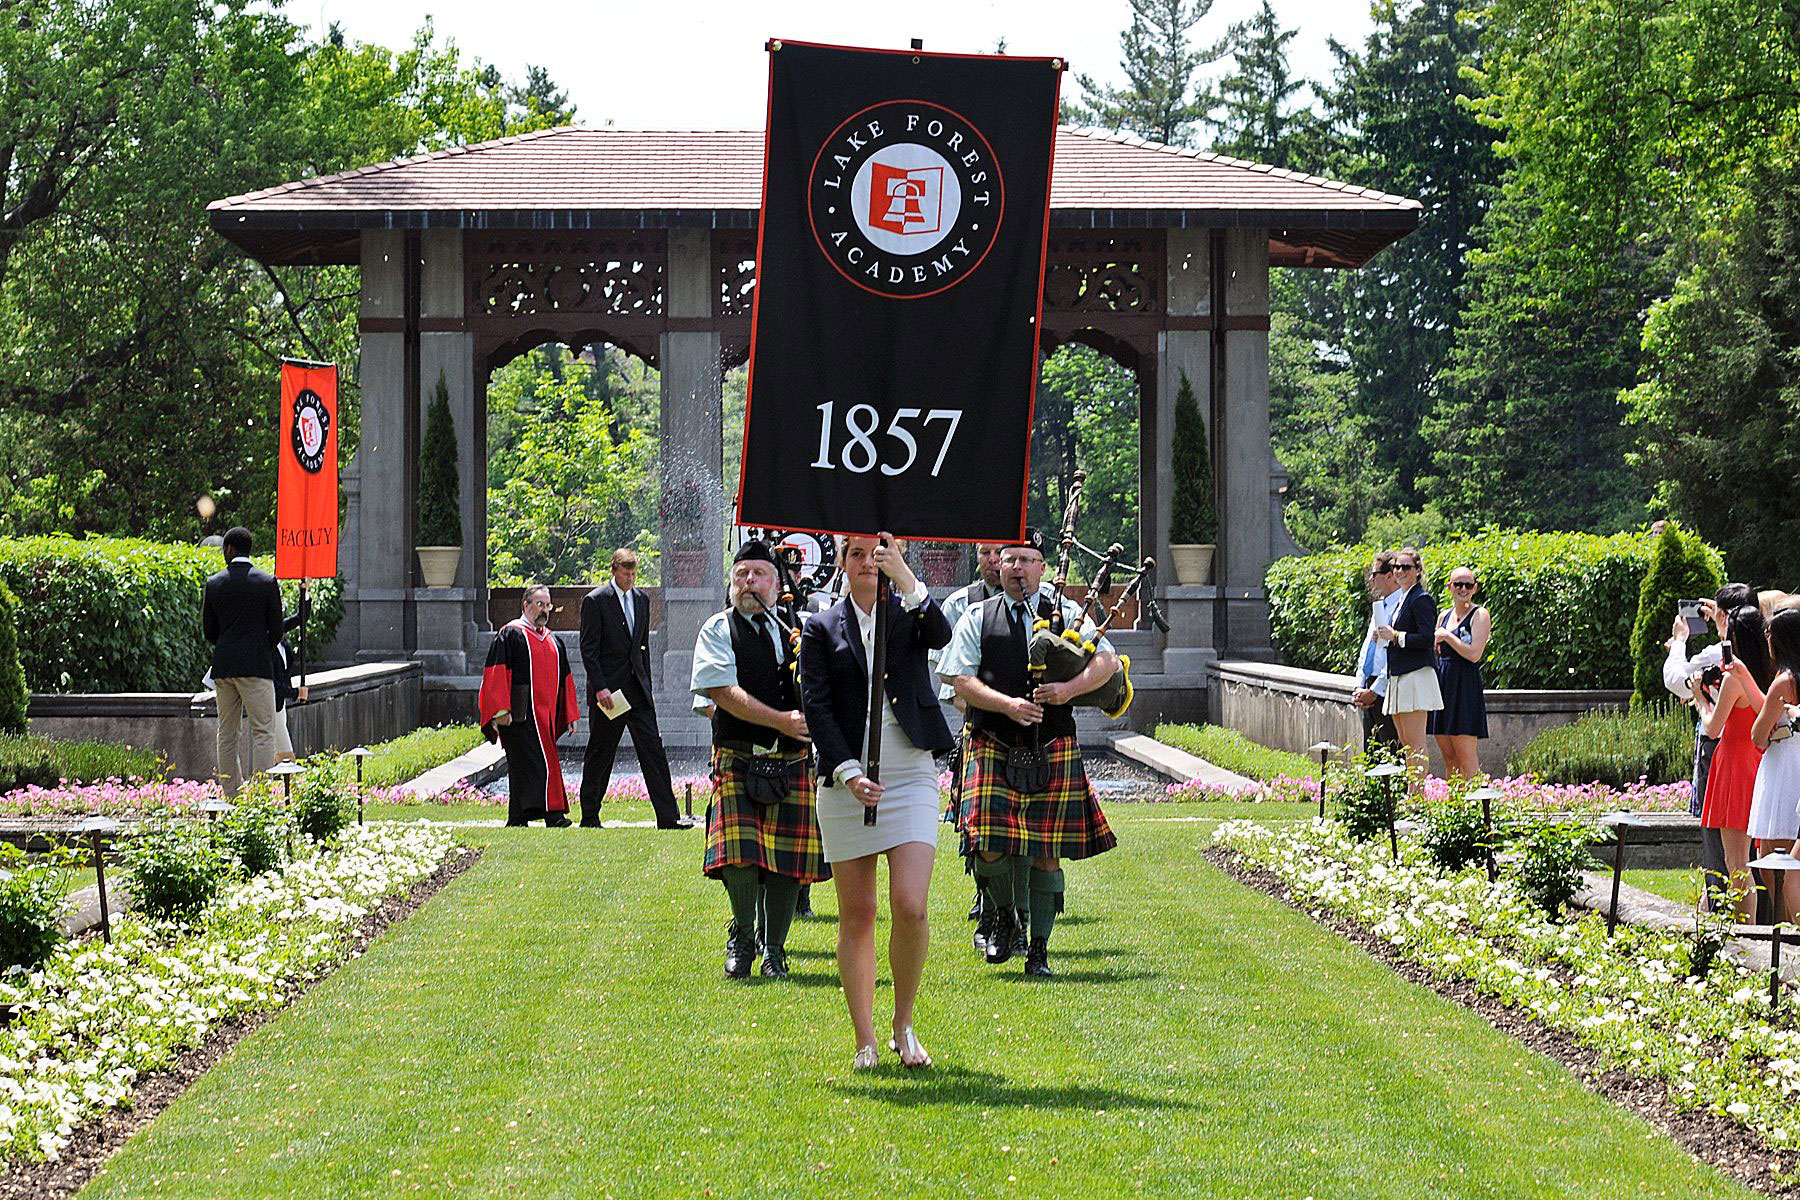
(437, 564)
(941, 562)
(687, 568)
(1193, 563)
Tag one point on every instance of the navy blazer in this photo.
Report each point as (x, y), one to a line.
(834, 680)
(610, 654)
(241, 617)
(1417, 619)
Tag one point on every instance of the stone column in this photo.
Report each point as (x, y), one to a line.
(1179, 352)
(1245, 460)
(692, 436)
(383, 567)
(446, 616)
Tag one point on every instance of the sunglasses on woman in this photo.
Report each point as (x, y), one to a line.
(1463, 587)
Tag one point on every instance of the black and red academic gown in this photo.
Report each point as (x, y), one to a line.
(527, 674)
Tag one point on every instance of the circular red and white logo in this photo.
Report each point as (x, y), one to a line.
(905, 199)
(312, 421)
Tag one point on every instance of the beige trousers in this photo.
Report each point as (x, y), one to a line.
(238, 697)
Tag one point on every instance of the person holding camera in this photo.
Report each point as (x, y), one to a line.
(1413, 692)
(1688, 680)
(1731, 782)
(1775, 805)
(1371, 669)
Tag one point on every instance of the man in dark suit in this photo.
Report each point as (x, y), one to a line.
(615, 651)
(242, 619)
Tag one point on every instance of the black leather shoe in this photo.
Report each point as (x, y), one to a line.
(775, 965)
(1020, 926)
(740, 952)
(557, 821)
(975, 908)
(984, 928)
(680, 825)
(1000, 941)
(1037, 959)
(803, 905)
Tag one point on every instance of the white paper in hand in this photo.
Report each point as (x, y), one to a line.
(618, 708)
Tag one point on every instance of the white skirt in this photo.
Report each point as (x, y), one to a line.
(1415, 691)
(910, 808)
(1775, 805)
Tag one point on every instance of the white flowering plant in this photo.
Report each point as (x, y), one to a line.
(1634, 997)
(95, 1017)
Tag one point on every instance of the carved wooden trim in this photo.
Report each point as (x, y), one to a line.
(613, 274)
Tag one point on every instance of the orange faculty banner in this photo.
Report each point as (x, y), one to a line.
(306, 503)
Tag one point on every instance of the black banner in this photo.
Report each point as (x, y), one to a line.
(900, 267)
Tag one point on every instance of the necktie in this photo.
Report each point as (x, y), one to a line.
(1017, 610)
(630, 607)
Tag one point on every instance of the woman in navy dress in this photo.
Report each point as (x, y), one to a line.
(1461, 640)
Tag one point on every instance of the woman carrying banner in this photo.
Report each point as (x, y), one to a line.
(835, 652)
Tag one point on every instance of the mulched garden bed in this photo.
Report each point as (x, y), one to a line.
(1718, 1141)
(96, 1141)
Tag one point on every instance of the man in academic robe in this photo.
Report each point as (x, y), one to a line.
(528, 701)
(615, 653)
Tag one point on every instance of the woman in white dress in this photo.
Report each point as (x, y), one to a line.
(1775, 805)
(835, 652)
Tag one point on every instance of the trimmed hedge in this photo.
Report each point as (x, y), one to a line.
(1563, 604)
(1652, 741)
(123, 615)
(13, 693)
(1230, 750)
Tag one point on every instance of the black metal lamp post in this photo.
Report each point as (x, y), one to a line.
(1387, 772)
(97, 827)
(1324, 750)
(1487, 796)
(287, 770)
(215, 807)
(359, 753)
(1777, 865)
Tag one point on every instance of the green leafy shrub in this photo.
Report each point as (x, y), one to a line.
(13, 693)
(1682, 567)
(1550, 858)
(1193, 517)
(1562, 603)
(1455, 834)
(173, 869)
(252, 834)
(1362, 802)
(440, 494)
(411, 755)
(27, 762)
(324, 802)
(1654, 742)
(31, 906)
(127, 612)
(1232, 751)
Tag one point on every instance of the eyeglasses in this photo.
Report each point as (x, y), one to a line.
(1464, 587)
(1381, 570)
(1406, 566)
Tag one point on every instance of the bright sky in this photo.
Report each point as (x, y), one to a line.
(699, 64)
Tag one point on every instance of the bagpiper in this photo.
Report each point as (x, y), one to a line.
(762, 834)
(1027, 802)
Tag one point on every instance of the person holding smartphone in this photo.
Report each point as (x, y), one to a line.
(1775, 806)
(1413, 692)
(1731, 781)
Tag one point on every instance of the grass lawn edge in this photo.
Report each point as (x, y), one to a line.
(1729, 1148)
(96, 1141)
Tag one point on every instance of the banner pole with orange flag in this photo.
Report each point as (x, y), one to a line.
(306, 500)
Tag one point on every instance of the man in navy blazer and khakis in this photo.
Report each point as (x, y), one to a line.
(615, 652)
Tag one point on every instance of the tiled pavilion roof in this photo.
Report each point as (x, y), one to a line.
(576, 178)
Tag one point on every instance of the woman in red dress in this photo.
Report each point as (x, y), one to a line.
(1732, 781)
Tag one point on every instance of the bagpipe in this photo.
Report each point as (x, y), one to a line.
(1059, 653)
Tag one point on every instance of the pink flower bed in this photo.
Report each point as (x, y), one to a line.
(113, 797)
(1523, 792)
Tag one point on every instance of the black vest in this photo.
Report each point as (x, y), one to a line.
(1004, 667)
(764, 678)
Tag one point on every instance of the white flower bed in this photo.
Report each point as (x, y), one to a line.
(1629, 997)
(97, 1016)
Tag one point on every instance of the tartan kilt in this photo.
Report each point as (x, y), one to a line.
(781, 838)
(1063, 822)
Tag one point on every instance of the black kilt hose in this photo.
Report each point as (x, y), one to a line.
(781, 838)
(1064, 821)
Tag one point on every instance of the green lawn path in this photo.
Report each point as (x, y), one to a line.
(554, 1024)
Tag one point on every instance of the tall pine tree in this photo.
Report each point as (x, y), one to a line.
(1258, 120)
(1165, 97)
